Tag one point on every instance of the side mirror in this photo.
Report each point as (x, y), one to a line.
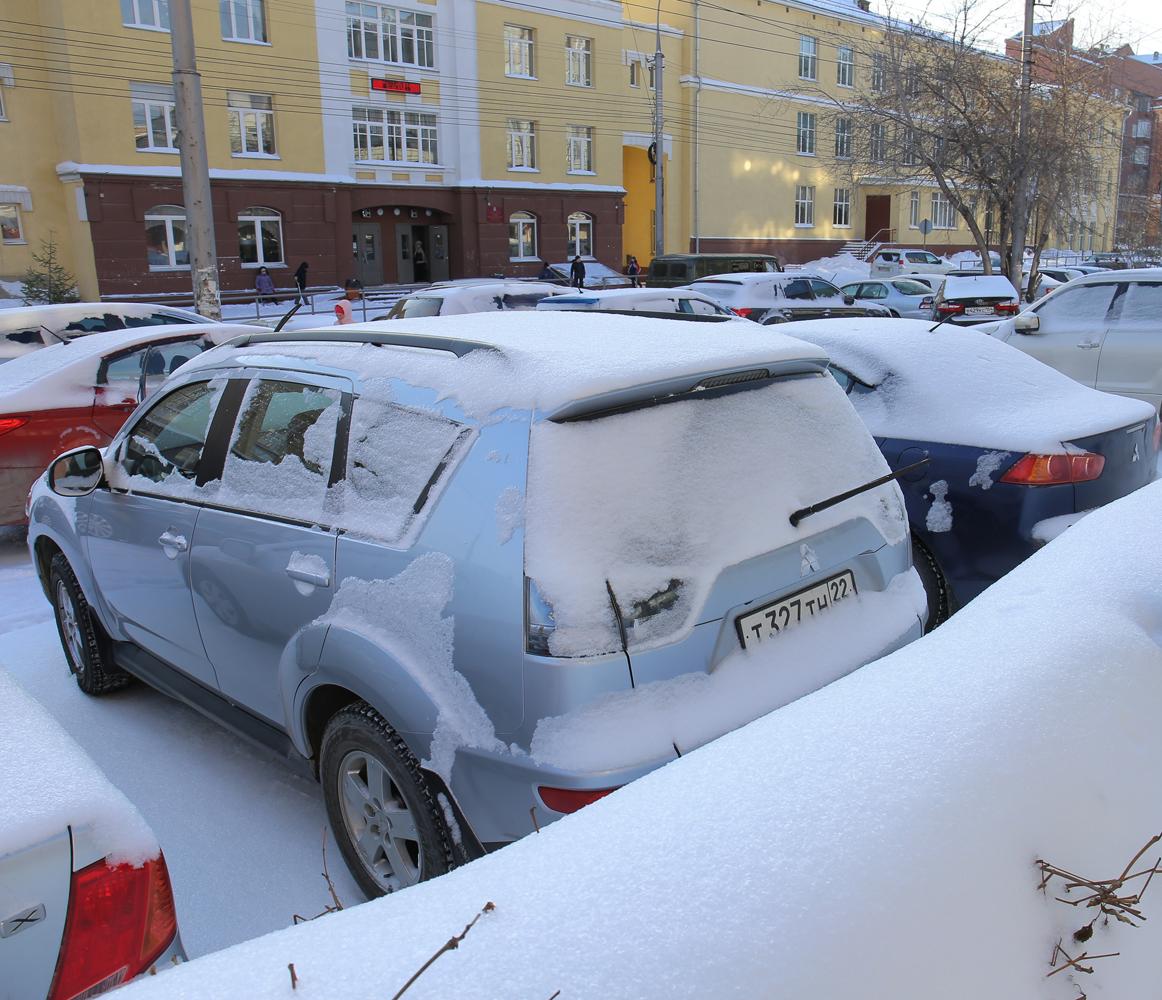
(849, 300)
(1027, 323)
(76, 473)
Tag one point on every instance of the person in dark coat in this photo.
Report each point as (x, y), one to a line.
(301, 281)
(577, 272)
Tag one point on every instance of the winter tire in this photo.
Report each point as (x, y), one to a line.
(84, 649)
(388, 827)
(935, 585)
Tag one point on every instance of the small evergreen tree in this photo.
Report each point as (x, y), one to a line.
(47, 281)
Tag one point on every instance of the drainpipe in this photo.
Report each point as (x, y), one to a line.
(697, 105)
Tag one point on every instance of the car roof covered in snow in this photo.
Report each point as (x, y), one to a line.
(956, 385)
(60, 314)
(528, 360)
(48, 784)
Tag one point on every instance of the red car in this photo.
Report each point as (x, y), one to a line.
(81, 392)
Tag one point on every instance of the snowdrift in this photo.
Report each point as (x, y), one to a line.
(875, 839)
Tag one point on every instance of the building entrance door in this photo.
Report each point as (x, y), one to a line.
(368, 259)
(877, 217)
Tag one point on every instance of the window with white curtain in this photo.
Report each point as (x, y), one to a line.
(251, 124)
(579, 149)
(522, 144)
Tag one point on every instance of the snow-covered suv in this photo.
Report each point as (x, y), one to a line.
(479, 571)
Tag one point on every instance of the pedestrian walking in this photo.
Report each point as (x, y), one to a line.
(344, 308)
(264, 285)
(577, 272)
(301, 282)
(633, 269)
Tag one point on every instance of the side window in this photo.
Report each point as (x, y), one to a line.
(25, 336)
(800, 288)
(162, 360)
(843, 378)
(95, 324)
(123, 370)
(700, 308)
(824, 289)
(397, 458)
(153, 319)
(1085, 303)
(167, 442)
(1142, 303)
(873, 290)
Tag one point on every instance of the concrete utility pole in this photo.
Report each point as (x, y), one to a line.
(659, 146)
(187, 86)
(1021, 195)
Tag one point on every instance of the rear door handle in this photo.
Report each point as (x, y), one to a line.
(1089, 345)
(168, 540)
(305, 576)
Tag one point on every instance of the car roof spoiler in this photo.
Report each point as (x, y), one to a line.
(329, 335)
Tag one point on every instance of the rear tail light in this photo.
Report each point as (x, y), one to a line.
(950, 308)
(745, 312)
(926, 303)
(569, 800)
(11, 423)
(119, 922)
(1051, 470)
(1009, 308)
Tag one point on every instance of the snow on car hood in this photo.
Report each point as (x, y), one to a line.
(959, 386)
(48, 783)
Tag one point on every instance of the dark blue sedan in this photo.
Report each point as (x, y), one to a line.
(1015, 451)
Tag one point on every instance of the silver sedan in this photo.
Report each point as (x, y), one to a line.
(904, 296)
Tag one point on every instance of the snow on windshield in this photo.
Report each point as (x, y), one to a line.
(961, 386)
(682, 491)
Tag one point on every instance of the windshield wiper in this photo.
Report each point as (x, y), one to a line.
(941, 322)
(815, 508)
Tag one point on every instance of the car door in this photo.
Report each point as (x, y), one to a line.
(137, 530)
(830, 300)
(1131, 355)
(262, 564)
(1072, 326)
(802, 300)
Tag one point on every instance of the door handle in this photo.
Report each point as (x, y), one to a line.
(1089, 345)
(168, 540)
(305, 576)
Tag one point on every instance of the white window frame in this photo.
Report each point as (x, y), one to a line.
(148, 105)
(879, 72)
(522, 144)
(913, 209)
(843, 135)
(249, 121)
(808, 57)
(845, 66)
(254, 217)
(636, 69)
(176, 214)
(131, 11)
(578, 61)
(805, 206)
(520, 52)
(878, 142)
(579, 150)
(392, 30)
(1142, 129)
(19, 239)
(841, 210)
(254, 23)
(805, 122)
(580, 226)
(943, 212)
(400, 131)
(526, 228)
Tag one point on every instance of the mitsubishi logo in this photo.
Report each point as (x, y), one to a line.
(20, 921)
(1136, 455)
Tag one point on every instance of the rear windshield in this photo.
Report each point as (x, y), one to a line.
(660, 501)
(911, 288)
(721, 291)
(991, 285)
(414, 308)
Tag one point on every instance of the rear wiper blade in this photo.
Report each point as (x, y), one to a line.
(815, 508)
(941, 322)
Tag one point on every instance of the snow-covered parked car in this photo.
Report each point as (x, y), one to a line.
(968, 299)
(778, 860)
(781, 298)
(655, 301)
(85, 897)
(441, 558)
(455, 298)
(27, 328)
(1015, 450)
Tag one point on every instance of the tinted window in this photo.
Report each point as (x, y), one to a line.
(889, 257)
(911, 288)
(1142, 303)
(1078, 304)
(923, 258)
(170, 437)
(871, 290)
(160, 360)
(413, 308)
(800, 288)
(95, 324)
(824, 289)
(277, 422)
(24, 337)
(155, 319)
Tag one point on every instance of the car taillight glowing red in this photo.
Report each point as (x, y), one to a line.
(569, 800)
(1053, 470)
(120, 920)
(1010, 308)
(950, 308)
(11, 423)
(744, 312)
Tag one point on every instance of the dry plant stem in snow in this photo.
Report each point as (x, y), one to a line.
(330, 888)
(450, 945)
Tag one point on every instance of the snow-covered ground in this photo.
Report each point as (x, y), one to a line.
(242, 833)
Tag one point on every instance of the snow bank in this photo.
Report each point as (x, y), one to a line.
(48, 783)
(542, 360)
(961, 386)
(840, 269)
(875, 839)
(681, 492)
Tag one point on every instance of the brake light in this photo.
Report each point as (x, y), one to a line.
(745, 312)
(120, 920)
(950, 308)
(926, 303)
(569, 800)
(1010, 308)
(11, 423)
(1052, 470)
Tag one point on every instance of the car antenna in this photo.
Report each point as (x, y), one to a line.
(56, 336)
(286, 319)
(815, 508)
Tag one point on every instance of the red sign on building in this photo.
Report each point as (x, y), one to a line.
(395, 86)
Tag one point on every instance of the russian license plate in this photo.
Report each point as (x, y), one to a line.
(786, 612)
(980, 311)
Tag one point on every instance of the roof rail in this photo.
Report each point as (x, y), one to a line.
(453, 345)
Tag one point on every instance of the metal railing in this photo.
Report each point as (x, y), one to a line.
(317, 299)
